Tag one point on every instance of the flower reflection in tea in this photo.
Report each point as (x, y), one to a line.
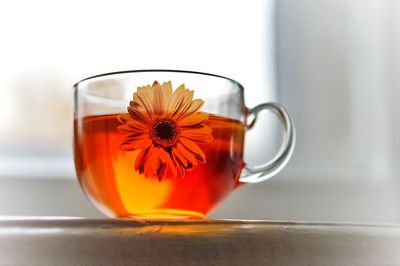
(166, 127)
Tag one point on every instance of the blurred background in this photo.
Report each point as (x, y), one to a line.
(333, 64)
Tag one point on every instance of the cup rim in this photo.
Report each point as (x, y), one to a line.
(157, 70)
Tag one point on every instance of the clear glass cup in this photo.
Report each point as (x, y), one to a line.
(166, 143)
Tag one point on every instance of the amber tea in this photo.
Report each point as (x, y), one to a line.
(107, 174)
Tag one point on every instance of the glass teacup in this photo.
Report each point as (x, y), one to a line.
(165, 143)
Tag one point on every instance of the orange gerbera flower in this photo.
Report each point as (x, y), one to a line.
(167, 127)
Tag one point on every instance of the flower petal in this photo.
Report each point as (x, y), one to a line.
(194, 106)
(167, 90)
(179, 156)
(158, 99)
(133, 126)
(152, 163)
(137, 125)
(176, 99)
(179, 166)
(136, 142)
(127, 129)
(201, 134)
(138, 115)
(162, 97)
(166, 158)
(186, 103)
(122, 118)
(181, 170)
(144, 99)
(181, 100)
(140, 161)
(194, 119)
(194, 148)
(187, 154)
(162, 171)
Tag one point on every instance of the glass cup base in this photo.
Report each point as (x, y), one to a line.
(165, 214)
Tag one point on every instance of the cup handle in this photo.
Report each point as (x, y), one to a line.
(258, 173)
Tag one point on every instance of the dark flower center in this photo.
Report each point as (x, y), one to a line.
(164, 132)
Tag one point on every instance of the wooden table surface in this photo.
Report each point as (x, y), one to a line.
(38, 241)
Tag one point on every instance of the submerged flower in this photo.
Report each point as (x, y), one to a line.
(167, 127)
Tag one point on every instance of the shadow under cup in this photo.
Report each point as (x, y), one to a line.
(176, 154)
